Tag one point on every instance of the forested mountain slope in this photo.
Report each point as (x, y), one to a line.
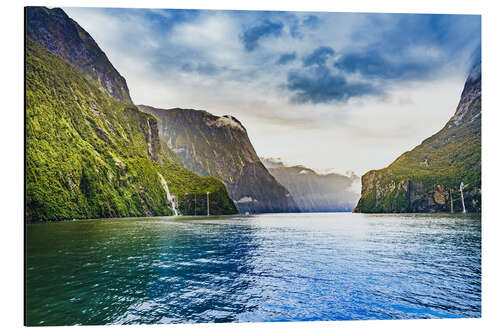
(90, 155)
(428, 178)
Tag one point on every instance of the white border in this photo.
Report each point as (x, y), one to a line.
(12, 153)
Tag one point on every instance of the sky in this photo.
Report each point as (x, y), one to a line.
(331, 91)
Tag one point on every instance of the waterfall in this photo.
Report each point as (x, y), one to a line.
(208, 204)
(462, 186)
(171, 198)
(451, 201)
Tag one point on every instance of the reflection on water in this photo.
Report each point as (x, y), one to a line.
(275, 267)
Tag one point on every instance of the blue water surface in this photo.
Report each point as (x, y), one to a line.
(270, 267)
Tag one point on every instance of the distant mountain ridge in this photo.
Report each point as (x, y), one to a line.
(58, 33)
(219, 147)
(315, 192)
(428, 178)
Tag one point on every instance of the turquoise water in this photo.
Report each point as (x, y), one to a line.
(271, 267)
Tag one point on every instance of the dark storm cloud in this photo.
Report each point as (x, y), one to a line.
(285, 58)
(388, 53)
(320, 85)
(250, 38)
(373, 65)
(391, 49)
(318, 56)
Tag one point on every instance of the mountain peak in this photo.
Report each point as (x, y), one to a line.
(57, 32)
(58, 11)
(228, 121)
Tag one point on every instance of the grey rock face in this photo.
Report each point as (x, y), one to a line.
(219, 147)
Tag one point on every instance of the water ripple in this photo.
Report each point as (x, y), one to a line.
(283, 267)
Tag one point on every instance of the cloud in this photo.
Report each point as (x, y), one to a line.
(377, 50)
(320, 85)
(410, 47)
(203, 68)
(272, 162)
(298, 25)
(250, 38)
(311, 21)
(294, 26)
(329, 113)
(285, 58)
(386, 50)
(373, 65)
(475, 59)
(319, 56)
(316, 83)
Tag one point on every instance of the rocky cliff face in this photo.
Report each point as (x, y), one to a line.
(59, 34)
(220, 147)
(315, 192)
(90, 155)
(428, 178)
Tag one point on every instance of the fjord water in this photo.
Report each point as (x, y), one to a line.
(271, 267)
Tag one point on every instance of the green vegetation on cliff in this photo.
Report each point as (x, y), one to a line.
(89, 155)
(428, 177)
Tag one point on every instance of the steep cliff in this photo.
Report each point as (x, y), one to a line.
(315, 192)
(59, 34)
(428, 178)
(220, 147)
(89, 155)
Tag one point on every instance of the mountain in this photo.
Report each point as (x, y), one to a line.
(219, 147)
(315, 192)
(428, 178)
(59, 34)
(89, 155)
